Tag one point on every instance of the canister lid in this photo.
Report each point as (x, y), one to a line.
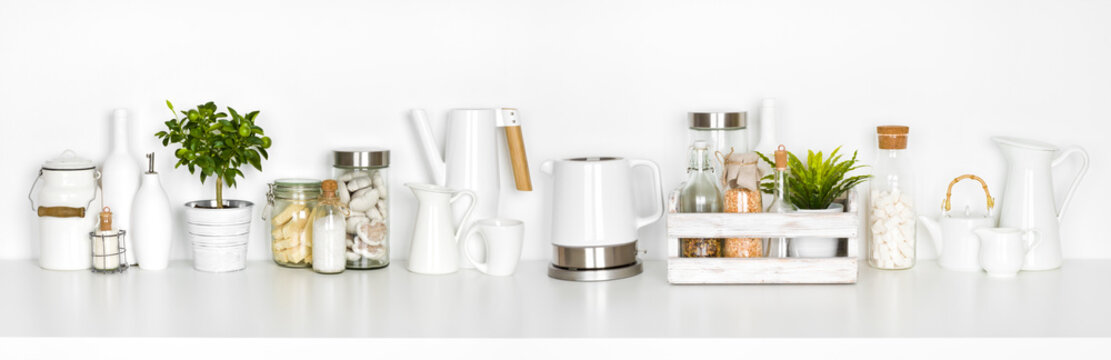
(718, 120)
(69, 161)
(362, 157)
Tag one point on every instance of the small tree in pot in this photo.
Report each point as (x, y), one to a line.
(216, 145)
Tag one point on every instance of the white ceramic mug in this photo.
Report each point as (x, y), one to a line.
(1003, 250)
(502, 239)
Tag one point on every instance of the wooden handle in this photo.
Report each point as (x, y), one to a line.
(61, 212)
(517, 158)
(947, 205)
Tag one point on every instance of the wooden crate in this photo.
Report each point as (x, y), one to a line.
(848, 226)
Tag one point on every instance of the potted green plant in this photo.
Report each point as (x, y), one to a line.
(215, 145)
(814, 187)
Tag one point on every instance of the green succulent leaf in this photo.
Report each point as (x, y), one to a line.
(818, 182)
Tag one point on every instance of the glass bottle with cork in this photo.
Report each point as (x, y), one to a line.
(700, 194)
(891, 219)
(781, 200)
(329, 231)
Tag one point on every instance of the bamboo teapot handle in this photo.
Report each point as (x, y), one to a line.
(947, 205)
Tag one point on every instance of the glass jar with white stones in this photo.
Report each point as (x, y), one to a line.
(362, 175)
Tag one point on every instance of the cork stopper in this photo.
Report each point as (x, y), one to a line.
(892, 137)
(781, 158)
(329, 187)
(106, 219)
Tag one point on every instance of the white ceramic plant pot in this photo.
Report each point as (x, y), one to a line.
(219, 236)
(815, 247)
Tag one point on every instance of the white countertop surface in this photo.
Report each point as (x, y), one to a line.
(269, 301)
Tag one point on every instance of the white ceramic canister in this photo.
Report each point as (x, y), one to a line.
(67, 207)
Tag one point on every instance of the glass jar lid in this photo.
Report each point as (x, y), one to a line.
(718, 120)
(69, 161)
(362, 157)
(289, 188)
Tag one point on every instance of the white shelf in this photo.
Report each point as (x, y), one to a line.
(268, 301)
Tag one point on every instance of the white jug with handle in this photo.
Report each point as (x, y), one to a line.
(958, 247)
(471, 159)
(1028, 202)
(435, 245)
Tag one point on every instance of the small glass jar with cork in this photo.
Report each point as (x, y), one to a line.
(108, 253)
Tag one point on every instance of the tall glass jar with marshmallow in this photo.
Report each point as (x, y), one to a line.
(891, 219)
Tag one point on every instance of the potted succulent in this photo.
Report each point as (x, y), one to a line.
(813, 187)
(215, 145)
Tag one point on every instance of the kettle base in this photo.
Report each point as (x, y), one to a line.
(560, 273)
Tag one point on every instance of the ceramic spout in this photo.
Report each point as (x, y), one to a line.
(431, 149)
(934, 229)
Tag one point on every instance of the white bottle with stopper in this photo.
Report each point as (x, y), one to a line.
(152, 222)
(120, 176)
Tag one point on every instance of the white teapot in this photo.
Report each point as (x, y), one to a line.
(954, 236)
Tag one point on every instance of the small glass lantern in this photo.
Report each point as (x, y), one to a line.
(108, 246)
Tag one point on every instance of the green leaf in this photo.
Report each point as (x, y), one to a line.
(210, 145)
(820, 180)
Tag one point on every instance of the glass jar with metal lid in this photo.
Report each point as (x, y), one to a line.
(724, 131)
(289, 204)
(362, 175)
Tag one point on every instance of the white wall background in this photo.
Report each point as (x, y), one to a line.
(591, 78)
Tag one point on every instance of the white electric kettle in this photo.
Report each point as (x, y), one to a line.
(594, 217)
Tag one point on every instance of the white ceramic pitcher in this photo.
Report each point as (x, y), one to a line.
(471, 158)
(1028, 202)
(958, 247)
(435, 245)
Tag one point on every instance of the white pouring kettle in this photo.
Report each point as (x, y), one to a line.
(470, 159)
(1028, 202)
(954, 236)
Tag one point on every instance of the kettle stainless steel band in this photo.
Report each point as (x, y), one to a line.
(559, 273)
(594, 257)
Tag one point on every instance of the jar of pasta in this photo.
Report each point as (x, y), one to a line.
(289, 203)
(362, 175)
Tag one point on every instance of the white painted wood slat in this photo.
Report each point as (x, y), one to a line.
(839, 270)
(720, 225)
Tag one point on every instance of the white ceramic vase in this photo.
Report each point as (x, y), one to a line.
(120, 179)
(815, 247)
(219, 236)
(152, 224)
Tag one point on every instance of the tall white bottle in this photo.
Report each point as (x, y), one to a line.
(120, 177)
(152, 222)
(767, 143)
